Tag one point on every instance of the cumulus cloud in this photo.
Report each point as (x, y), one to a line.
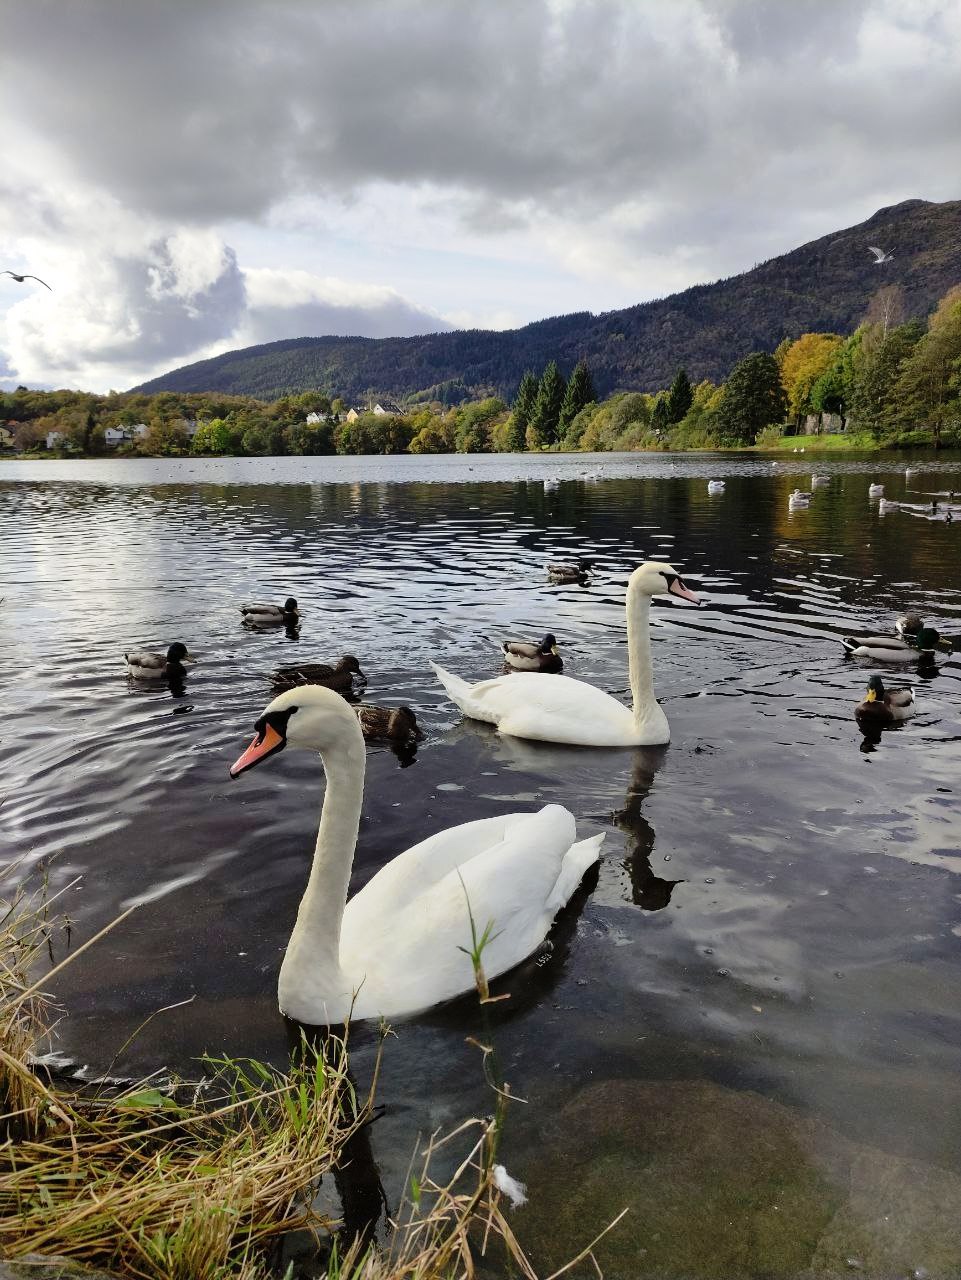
(298, 304)
(631, 148)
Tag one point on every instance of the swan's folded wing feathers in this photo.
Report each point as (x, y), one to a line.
(421, 958)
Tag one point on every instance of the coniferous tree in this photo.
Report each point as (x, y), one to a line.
(542, 428)
(680, 397)
(522, 411)
(753, 399)
(580, 392)
(661, 415)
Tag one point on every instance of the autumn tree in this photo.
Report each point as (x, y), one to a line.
(802, 364)
(832, 391)
(753, 399)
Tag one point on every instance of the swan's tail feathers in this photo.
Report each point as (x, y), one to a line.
(849, 644)
(578, 859)
(457, 689)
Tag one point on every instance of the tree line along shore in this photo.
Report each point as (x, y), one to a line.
(894, 382)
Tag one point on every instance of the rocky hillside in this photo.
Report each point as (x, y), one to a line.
(824, 285)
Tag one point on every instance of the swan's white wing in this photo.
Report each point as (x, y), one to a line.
(403, 961)
(548, 708)
(414, 871)
(878, 253)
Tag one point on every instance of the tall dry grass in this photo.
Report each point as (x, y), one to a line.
(179, 1184)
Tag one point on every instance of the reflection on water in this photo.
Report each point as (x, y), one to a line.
(772, 933)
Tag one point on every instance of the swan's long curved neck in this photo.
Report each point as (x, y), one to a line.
(639, 655)
(315, 939)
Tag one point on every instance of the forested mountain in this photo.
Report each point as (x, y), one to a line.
(823, 286)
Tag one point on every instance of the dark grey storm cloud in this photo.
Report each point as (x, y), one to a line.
(220, 109)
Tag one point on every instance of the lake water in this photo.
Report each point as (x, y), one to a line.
(749, 1027)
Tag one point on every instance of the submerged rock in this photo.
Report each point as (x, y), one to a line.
(722, 1183)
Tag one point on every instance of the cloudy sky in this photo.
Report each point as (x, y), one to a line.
(194, 177)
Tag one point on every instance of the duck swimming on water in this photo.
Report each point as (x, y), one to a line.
(520, 655)
(344, 677)
(570, 571)
(881, 706)
(146, 664)
(271, 615)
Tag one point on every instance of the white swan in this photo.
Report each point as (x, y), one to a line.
(715, 486)
(395, 948)
(553, 708)
(875, 490)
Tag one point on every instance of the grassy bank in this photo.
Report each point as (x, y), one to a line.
(861, 440)
(165, 1181)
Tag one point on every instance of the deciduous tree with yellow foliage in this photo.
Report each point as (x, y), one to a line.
(802, 363)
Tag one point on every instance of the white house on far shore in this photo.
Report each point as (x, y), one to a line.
(55, 438)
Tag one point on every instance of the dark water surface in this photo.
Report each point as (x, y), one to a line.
(749, 1027)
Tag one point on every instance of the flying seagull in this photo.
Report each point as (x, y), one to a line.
(20, 279)
(879, 254)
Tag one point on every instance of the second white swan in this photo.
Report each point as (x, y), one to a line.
(397, 947)
(554, 708)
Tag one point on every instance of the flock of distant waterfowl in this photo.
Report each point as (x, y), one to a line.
(941, 507)
(403, 943)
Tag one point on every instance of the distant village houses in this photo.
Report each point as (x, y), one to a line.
(6, 438)
(379, 407)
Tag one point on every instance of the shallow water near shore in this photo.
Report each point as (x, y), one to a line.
(746, 1027)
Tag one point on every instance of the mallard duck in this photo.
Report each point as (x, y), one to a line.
(570, 571)
(882, 706)
(875, 490)
(145, 664)
(909, 625)
(397, 724)
(519, 655)
(267, 615)
(715, 486)
(342, 677)
(905, 647)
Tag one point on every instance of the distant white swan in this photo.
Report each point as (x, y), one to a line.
(554, 708)
(875, 490)
(395, 948)
(715, 486)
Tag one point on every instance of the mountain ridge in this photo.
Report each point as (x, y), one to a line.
(823, 285)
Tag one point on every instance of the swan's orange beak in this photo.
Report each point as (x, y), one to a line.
(262, 746)
(677, 588)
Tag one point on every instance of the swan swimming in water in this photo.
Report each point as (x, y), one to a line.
(396, 948)
(554, 708)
